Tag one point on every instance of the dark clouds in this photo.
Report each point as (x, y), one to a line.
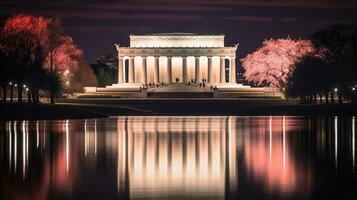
(97, 25)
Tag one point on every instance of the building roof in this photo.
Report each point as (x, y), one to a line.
(177, 34)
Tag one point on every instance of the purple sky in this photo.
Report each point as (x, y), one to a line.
(96, 25)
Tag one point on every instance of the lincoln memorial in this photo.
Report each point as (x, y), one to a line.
(177, 65)
(176, 57)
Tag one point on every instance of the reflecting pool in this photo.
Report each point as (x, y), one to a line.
(178, 157)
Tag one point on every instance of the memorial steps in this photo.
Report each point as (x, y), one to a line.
(181, 90)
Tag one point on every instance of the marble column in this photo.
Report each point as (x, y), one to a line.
(157, 79)
(197, 69)
(145, 71)
(222, 71)
(131, 70)
(120, 70)
(232, 70)
(169, 69)
(184, 69)
(209, 79)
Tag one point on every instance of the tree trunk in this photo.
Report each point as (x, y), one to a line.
(29, 96)
(34, 95)
(332, 97)
(326, 97)
(310, 99)
(315, 98)
(4, 93)
(11, 93)
(19, 93)
(52, 95)
(320, 95)
(340, 98)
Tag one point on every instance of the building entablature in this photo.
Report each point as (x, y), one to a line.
(177, 51)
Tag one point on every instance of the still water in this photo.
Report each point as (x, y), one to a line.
(172, 157)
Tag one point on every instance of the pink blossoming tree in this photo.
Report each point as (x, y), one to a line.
(274, 62)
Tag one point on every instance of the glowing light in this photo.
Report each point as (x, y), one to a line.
(15, 146)
(37, 134)
(67, 146)
(336, 141)
(353, 142)
(336, 90)
(284, 148)
(24, 86)
(10, 83)
(85, 138)
(23, 150)
(10, 145)
(95, 136)
(353, 89)
(15, 85)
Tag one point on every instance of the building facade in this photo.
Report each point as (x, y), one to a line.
(176, 57)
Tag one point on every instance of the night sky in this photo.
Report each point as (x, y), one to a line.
(96, 25)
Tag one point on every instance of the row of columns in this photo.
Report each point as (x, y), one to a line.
(144, 71)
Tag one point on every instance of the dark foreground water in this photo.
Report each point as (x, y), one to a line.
(179, 158)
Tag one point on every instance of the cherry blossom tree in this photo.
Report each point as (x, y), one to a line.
(65, 57)
(273, 63)
(59, 53)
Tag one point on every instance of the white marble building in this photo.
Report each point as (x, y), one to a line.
(168, 57)
(161, 65)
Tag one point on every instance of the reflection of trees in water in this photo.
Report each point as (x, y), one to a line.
(269, 157)
(175, 156)
(36, 160)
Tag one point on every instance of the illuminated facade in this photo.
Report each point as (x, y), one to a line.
(176, 57)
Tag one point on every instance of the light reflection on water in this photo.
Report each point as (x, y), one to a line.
(178, 157)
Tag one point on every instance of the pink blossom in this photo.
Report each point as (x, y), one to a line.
(274, 61)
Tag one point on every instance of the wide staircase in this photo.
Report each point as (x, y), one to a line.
(179, 90)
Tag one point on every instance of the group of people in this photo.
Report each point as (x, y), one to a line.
(147, 85)
(177, 80)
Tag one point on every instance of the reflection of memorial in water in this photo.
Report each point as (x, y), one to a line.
(173, 156)
(178, 156)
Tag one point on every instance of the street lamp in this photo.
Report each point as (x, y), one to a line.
(353, 89)
(336, 89)
(11, 92)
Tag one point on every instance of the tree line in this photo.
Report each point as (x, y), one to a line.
(35, 55)
(322, 68)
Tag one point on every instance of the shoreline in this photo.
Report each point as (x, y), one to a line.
(99, 108)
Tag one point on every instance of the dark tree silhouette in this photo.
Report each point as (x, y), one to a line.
(311, 77)
(338, 45)
(5, 70)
